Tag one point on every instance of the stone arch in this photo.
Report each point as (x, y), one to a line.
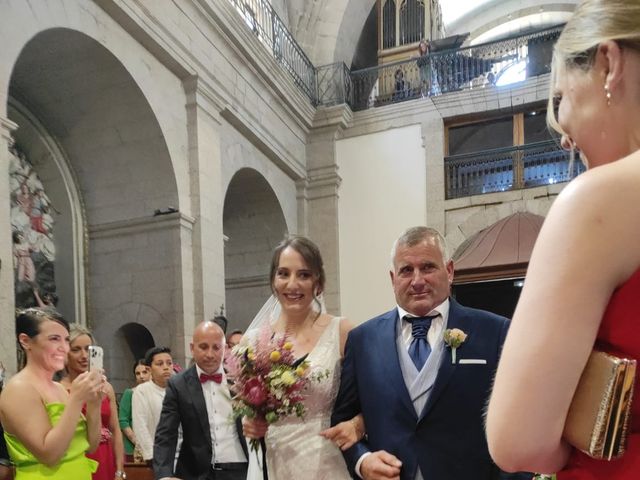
(253, 224)
(147, 65)
(89, 102)
(129, 330)
(94, 109)
(132, 340)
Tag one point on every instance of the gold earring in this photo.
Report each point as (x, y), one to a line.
(607, 93)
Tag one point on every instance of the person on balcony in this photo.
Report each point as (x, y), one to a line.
(582, 289)
(400, 85)
(424, 68)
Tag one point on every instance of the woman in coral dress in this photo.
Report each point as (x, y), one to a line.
(582, 289)
(110, 451)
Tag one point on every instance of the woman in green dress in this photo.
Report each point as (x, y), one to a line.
(47, 436)
(142, 374)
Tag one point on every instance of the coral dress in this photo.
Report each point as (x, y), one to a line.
(619, 335)
(73, 465)
(104, 454)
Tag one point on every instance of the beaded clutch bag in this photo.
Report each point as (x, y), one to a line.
(599, 412)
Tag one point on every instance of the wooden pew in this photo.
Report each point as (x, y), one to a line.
(138, 471)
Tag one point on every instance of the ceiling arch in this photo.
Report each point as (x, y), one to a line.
(514, 15)
(328, 30)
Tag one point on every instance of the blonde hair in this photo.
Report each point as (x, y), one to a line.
(593, 22)
(76, 330)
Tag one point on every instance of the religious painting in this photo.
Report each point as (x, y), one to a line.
(32, 226)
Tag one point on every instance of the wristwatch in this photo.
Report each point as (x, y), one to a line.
(121, 474)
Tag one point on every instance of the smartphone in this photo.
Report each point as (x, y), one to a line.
(96, 355)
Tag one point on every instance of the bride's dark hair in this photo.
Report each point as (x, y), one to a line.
(311, 255)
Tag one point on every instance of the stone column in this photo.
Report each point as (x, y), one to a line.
(318, 195)
(7, 305)
(432, 135)
(207, 202)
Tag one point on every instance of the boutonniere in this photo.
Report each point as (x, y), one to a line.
(454, 337)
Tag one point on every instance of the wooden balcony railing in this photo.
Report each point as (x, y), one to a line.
(511, 168)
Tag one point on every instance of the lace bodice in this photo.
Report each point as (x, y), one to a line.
(294, 447)
(325, 356)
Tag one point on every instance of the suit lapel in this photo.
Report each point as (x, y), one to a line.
(457, 319)
(388, 348)
(243, 441)
(197, 397)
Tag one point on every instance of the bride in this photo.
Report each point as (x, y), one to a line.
(299, 448)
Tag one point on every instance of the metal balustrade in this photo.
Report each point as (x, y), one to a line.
(511, 168)
(333, 84)
(262, 19)
(451, 70)
(478, 66)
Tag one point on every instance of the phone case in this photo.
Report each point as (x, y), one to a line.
(96, 354)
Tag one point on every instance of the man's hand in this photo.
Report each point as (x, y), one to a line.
(380, 465)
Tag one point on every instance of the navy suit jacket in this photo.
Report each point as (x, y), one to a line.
(447, 439)
(184, 405)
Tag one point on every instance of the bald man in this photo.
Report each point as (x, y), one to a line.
(198, 399)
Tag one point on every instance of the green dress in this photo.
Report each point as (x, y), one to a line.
(74, 465)
(124, 415)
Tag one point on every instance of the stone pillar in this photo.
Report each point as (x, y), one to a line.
(318, 195)
(7, 306)
(432, 135)
(207, 202)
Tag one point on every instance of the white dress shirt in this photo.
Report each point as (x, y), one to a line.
(225, 445)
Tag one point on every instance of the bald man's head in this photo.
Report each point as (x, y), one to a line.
(207, 346)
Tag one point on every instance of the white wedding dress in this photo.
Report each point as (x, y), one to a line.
(295, 450)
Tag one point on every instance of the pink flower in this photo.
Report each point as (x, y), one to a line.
(254, 392)
(232, 365)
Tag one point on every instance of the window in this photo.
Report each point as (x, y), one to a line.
(411, 21)
(389, 24)
(476, 137)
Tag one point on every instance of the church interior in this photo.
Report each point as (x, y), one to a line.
(155, 153)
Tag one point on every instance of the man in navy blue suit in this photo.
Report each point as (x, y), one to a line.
(421, 398)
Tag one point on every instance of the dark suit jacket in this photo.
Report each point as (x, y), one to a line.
(184, 405)
(447, 440)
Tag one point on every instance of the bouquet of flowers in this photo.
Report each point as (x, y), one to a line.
(269, 380)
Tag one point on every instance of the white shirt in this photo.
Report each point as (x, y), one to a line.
(146, 406)
(433, 335)
(225, 446)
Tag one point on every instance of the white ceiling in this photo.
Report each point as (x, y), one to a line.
(488, 20)
(452, 10)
